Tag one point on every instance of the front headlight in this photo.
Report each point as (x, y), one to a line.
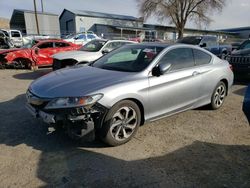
(71, 102)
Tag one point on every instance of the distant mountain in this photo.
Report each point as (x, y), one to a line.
(4, 23)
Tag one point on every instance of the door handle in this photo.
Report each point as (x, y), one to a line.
(195, 73)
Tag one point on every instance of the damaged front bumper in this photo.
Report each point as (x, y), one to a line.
(77, 122)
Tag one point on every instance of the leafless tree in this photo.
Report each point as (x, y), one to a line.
(180, 11)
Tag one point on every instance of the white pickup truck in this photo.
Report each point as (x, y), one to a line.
(15, 37)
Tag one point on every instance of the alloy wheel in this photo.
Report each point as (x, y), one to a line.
(219, 95)
(123, 123)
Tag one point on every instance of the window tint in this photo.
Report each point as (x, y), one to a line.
(61, 44)
(128, 58)
(15, 34)
(179, 58)
(46, 45)
(89, 36)
(113, 45)
(210, 41)
(245, 45)
(2, 35)
(201, 58)
(82, 37)
(93, 46)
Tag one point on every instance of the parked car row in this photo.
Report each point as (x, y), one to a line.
(35, 54)
(112, 95)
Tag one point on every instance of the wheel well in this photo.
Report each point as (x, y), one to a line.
(24, 59)
(68, 62)
(226, 83)
(139, 104)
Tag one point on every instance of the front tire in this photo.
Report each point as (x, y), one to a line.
(121, 123)
(218, 96)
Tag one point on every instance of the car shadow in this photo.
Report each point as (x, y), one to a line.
(240, 91)
(66, 163)
(31, 75)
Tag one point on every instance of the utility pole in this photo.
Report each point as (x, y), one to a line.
(37, 26)
(42, 5)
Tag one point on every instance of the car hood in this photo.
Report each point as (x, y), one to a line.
(241, 52)
(76, 81)
(77, 55)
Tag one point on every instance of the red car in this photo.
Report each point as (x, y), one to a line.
(35, 54)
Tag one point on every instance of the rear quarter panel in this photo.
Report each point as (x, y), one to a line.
(212, 74)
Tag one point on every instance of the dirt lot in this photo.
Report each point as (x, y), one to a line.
(198, 148)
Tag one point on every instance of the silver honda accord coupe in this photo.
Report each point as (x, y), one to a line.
(128, 87)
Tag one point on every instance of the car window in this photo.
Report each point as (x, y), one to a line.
(82, 37)
(201, 58)
(61, 44)
(190, 40)
(6, 33)
(46, 45)
(15, 34)
(93, 46)
(210, 41)
(245, 45)
(89, 36)
(113, 45)
(179, 58)
(2, 35)
(128, 58)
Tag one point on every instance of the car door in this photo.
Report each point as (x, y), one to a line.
(203, 60)
(177, 89)
(42, 52)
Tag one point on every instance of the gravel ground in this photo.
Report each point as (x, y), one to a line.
(198, 148)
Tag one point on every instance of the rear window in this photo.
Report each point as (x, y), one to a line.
(46, 45)
(190, 40)
(201, 58)
(61, 44)
(15, 34)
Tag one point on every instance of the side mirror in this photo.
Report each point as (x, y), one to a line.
(105, 51)
(36, 51)
(161, 69)
(203, 45)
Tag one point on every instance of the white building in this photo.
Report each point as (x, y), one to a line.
(25, 21)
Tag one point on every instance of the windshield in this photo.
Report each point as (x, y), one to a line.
(93, 46)
(190, 40)
(30, 44)
(245, 45)
(130, 58)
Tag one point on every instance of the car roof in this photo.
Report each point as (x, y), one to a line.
(51, 40)
(152, 44)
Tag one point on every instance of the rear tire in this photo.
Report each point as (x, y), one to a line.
(121, 123)
(218, 96)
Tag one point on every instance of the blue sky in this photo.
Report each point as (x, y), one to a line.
(235, 14)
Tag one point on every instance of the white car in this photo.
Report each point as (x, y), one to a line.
(82, 38)
(15, 37)
(92, 51)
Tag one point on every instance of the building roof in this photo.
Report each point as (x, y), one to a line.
(101, 15)
(172, 28)
(33, 12)
(237, 29)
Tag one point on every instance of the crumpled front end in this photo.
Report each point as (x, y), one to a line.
(78, 122)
